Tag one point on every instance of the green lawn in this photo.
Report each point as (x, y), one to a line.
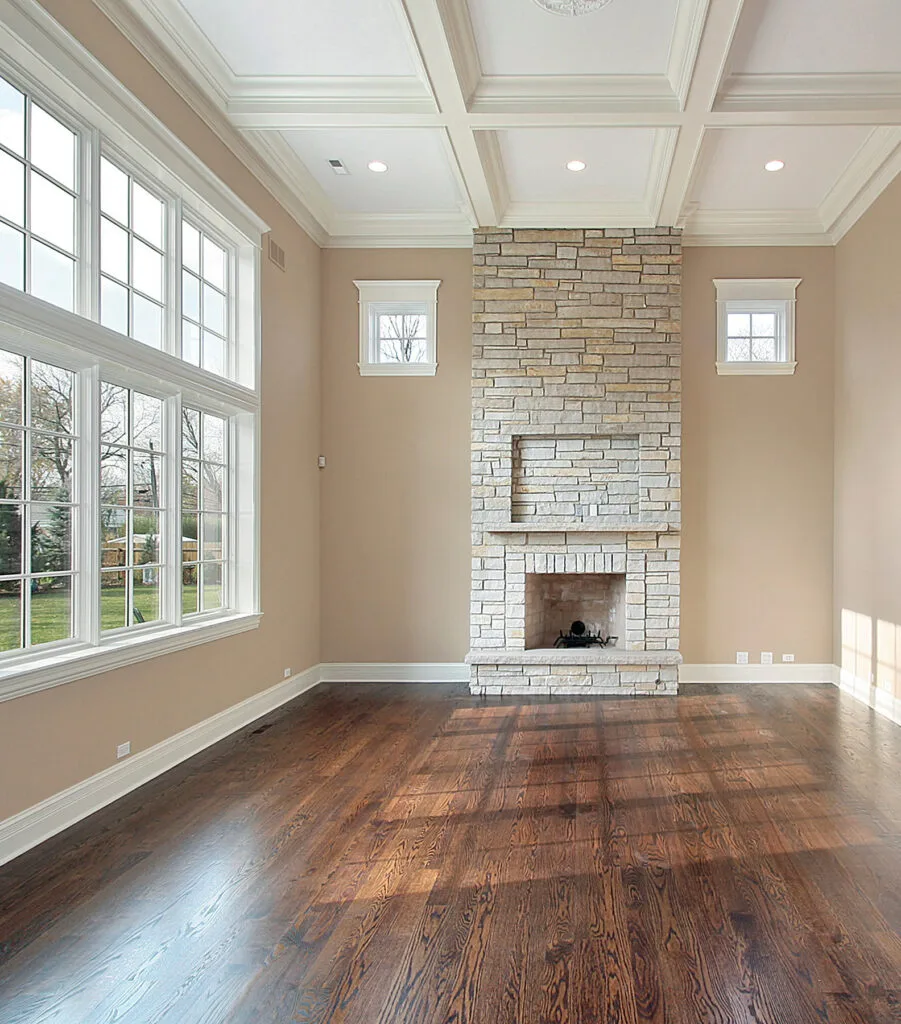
(50, 612)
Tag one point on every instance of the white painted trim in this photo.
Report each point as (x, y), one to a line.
(385, 672)
(779, 673)
(566, 94)
(786, 369)
(388, 297)
(813, 92)
(861, 689)
(36, 824)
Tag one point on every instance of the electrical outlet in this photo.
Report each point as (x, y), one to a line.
(766, 657)
(741, 657)
(123, 750)
(322, 461)
(287, 673)
(788, 657)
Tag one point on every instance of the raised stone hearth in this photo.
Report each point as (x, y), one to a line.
(576, 459)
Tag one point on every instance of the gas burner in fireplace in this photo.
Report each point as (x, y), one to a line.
(580, 636)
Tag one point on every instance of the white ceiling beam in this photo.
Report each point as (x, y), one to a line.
(709, 68)
(450, 92)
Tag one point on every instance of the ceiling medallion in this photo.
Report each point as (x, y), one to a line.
(570, 8)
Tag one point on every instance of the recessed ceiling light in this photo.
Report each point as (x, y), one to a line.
(576, 165)
(378, 166)
(774, 165)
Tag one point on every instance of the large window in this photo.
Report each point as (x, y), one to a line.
(128, 394)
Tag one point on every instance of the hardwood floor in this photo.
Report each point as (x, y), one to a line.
(409, 855)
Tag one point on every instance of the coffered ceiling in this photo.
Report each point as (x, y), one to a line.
(476, 106)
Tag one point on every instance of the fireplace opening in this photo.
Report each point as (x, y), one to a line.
(555, 601)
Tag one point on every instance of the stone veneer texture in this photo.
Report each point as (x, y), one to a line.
(576, 446)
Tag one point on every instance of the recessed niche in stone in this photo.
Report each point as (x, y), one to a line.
(575, 478)
(555, 600)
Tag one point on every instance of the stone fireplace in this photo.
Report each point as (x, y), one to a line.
(576, 459)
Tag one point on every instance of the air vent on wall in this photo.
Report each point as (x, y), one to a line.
(276, 253)
(338, 167)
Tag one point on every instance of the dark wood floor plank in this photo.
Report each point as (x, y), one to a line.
(406, 854)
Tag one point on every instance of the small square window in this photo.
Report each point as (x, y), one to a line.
(756, 326)
(398, 327)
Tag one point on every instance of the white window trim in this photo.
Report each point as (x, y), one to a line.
(372, 295)
(765, 295)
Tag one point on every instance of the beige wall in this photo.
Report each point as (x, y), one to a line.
(55, 738)
(395, 495)
(868, 439)
(757, 473)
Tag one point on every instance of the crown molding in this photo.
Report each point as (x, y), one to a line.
(755, 227)
(797, 92)
(566, 95)
(691, 17)
(874, 165)
(577, 215)
(196, 94)
(421, 230)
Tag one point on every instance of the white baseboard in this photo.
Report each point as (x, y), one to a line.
(790, 672)
(881, 702)
(387, 672)
(36, 824)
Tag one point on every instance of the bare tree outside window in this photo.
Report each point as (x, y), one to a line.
(402, 337)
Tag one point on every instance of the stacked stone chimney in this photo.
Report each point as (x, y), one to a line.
(576, 438)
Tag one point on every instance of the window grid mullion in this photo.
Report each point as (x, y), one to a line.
(171, 552)
(87, 539)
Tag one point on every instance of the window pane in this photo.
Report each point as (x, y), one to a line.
(52, 391)
(213, 263)
(113, 305)
(148, 480)
(12, 257)
(12, 118)
(12, 189)
(12, 374)
(52, 213)
(113, 250)
(51, 610)
(212, 586)
(146, 594)
(213, 310)
(401, 338)
(113, 414)
(148, 422)
(213, 353)
(113, 476)
(213, 438)
(190, 433)
(211, 526)
(213, 487)
(147, 215)
(763, 349)
(189, 604)
(52, 147)
(190, 533)
(113, 191)
(190, 472)
(51, 467)
(190, 247)
(11, 520)
(148, 321)
(739, 325)
(52, 276)
(147, 270)
(190, 296)
(112, 600)
(763, 325)
(146, 538)
(738, 350)
(190, 342)
(51, 538)
(113, 537)
(11, 446)
(10, 615)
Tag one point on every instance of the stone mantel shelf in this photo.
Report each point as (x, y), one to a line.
(610, 526)
(579, 656)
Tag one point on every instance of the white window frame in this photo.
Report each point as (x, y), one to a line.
(42, 60)
(757, 295)
(378, 298)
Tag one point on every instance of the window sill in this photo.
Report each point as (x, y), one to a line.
(398, 369)
(755, 369)
(34, 673)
